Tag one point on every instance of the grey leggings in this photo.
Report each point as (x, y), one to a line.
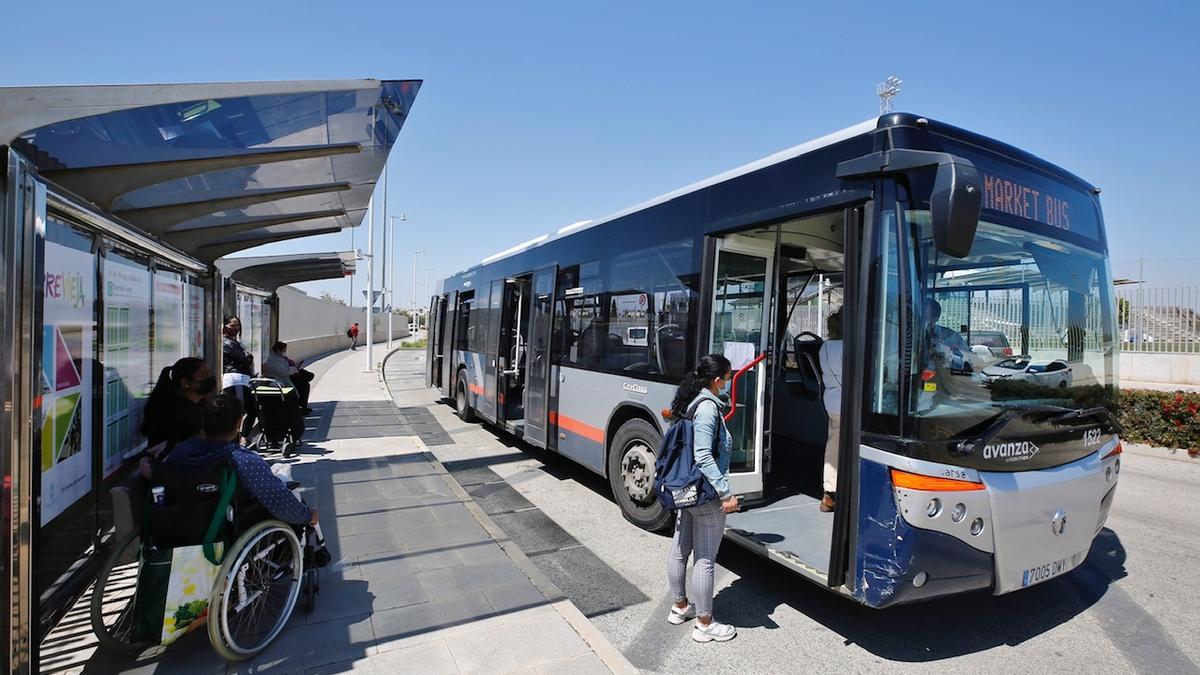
(697, 530)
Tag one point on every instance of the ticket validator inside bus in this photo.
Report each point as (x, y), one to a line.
(957, 470)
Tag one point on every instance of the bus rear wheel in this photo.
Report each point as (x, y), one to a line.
(631, 456)
(460, 401)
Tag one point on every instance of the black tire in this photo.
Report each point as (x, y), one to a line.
(465, 413)
(113, 598)
(636, 443)
(268, 552)
(309, 590)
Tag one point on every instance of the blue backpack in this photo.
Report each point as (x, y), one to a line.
(678, 481)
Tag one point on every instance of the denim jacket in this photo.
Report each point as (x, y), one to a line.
(707, 423)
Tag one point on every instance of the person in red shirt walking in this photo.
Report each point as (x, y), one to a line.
(352, 333)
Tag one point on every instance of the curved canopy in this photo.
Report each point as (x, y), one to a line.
(269, 272)
(214, 168)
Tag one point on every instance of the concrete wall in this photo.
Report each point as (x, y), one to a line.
(1170, 369)
(313, 326)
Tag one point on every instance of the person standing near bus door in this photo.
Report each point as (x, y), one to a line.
(699, 529)
(830, 357)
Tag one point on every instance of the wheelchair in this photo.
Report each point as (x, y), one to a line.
(280, 417)
(265, 572)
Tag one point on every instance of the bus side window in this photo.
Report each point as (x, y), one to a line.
(463, 324)
(563, 340)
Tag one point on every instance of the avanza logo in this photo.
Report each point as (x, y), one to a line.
(1017, 451)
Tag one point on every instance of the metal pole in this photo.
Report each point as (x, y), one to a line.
(370, 291)
(428, 273)
(412, 319)
(350, 300)
(392, 282)
(384, 283)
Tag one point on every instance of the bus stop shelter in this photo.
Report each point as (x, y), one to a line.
(119, 207)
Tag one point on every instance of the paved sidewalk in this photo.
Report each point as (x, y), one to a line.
(422, 581)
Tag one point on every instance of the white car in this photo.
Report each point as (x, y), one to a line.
(1055, 373)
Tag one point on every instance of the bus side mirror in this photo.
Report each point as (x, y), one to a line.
(954, 206)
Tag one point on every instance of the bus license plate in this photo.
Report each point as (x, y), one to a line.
(1036, 575)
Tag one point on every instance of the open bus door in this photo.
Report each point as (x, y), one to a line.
(486, 404)
(512, 350)
(433, 342)
(445, 346)
(781, 519)
(739, 329)
(537, 384)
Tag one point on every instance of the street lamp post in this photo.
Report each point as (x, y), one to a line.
(412, 319)
(383, 285)
(370, 291)
(391, 294)
(428, 274)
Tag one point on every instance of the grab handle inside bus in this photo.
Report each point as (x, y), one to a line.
(733, 384)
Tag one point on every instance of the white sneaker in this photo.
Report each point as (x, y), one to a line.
(713, 632)
(678, 616)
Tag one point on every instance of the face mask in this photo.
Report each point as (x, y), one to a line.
(726, 388)
(206, 386)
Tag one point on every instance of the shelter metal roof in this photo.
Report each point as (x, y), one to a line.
(269, 272)
(214, 168)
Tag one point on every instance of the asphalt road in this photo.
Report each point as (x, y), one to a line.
(1134, 605)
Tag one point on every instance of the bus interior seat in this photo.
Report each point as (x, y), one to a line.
(671, 346)
(798, 435)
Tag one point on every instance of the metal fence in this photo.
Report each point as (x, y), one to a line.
(1159, 319)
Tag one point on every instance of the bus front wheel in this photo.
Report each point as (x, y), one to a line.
(631, 474)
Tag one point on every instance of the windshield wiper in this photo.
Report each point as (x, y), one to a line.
(969, 446)
(1090, 412)
(1001, 421)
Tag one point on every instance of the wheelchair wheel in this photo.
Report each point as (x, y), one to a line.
(256, 590)
(112, 602)
(288, 449)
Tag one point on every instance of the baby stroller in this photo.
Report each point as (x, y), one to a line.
(280, 416)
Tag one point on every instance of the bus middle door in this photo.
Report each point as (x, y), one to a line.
(486, 404)
(740, 327)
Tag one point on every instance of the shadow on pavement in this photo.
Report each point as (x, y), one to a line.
(928, 631)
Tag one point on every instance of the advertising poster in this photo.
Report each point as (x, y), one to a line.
(67, 341)
(194, 320)
(168, 321)
(127, 379)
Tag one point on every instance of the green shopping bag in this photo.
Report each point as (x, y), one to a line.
(174, 584)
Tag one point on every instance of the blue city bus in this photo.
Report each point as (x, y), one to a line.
(962, 468)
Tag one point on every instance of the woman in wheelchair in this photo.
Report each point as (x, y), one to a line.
(218, 443)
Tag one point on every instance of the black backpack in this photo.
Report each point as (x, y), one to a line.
(678, 481)
(349, 332)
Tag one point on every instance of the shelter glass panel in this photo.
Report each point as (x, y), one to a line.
(68, 364)
(127, 356)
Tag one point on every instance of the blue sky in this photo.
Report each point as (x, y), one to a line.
(536, 115)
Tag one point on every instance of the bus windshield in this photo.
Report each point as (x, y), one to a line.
(1025, 320)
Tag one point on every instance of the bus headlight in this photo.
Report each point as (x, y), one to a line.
(934, 509)
(976, 527)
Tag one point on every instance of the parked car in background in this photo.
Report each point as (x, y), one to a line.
(1056, 373)
(990, 345)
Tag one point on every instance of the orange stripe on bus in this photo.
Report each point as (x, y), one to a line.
(475, 389)
(576, 427)
(553, 417)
